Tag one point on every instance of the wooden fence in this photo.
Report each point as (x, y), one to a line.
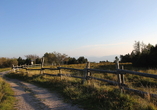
(87, 76)
(25, 66)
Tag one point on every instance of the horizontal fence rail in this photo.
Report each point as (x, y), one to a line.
(140, 92)
(68, 75)
(49, 68)
(70, 68)
(102, 71)
(87, 75)
(112, 82)
(32, 69)
(137, 73)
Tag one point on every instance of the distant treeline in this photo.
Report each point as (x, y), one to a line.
(53, 58)
(56, 58)
(29, 58)
(142, 56)
(7, 62)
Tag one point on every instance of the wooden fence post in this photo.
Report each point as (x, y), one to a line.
(42, 63)
(13, 68)
(123, 80)
(118, 75)
(88, 73)
(16, 68)
(84, 73)
(122, 76)
(60, 72)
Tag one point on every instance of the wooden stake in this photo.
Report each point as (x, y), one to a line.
(122, 76)
(42, 63)
(118, 75)
(13, 68)
(60, 73)
(88, 73)
(123, 80)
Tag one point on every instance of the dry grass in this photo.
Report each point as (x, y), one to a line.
(100, 93)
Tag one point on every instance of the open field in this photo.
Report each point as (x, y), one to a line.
(95, 94)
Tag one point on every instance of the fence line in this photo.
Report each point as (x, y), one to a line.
(26, 66)
(70, 68)
(137, 73)
(87, 76)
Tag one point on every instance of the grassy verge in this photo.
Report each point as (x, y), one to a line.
(90, 96)
(6, 96)
(4, 69)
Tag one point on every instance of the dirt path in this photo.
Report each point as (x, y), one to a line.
(31, 97)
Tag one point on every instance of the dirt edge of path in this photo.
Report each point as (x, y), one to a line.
(32, 97)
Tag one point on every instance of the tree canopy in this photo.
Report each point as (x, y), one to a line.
(8, 62)
(143, 55)
(55, 58)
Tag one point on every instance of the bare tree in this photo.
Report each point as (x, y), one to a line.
(137, 47)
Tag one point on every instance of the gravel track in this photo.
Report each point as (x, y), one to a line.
(31, 97)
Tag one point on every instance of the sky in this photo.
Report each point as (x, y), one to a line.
(90, 28)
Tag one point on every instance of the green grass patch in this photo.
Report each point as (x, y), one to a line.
(6, 96)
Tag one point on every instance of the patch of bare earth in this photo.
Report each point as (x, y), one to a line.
(31, 97)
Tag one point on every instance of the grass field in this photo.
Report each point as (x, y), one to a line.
(4, 69)
(97, 95)
(6, 94)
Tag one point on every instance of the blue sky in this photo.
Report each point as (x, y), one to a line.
(90, 28)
